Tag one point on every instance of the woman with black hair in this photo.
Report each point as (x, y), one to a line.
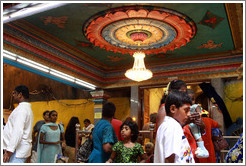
(70, 137)
(49, 143)
(128, 150)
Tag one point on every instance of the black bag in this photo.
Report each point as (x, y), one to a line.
(85, 150)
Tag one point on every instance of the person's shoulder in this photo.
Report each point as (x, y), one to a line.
(40, 122)
(116, 121)
(169, 124)
(138, 145)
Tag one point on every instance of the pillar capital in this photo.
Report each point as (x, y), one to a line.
(99, 94)
(100, 97)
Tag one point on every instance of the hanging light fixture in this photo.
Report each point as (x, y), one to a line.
(138, 72)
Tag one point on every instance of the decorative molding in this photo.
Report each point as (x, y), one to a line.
(234, 17)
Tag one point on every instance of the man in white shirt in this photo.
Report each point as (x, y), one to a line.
(17, 134)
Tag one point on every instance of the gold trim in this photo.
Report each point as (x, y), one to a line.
(235, 20)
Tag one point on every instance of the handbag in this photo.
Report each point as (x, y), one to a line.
(85, 150)
(218, 140)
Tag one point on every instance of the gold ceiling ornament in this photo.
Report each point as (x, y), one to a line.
(240, 72)
(138, 72)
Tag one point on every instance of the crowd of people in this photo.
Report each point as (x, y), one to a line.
(183, 134)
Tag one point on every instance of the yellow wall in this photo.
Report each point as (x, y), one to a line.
(66, 110)
(155, 96)
(235, 107)
(123, 107)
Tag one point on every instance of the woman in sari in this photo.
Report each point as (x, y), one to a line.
(103, 136)
(49, 143)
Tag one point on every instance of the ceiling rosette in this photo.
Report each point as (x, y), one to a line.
(150, 29)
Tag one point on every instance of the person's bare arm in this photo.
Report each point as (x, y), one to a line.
(107, 147)
(170, 159)
(160, 116)
(112, 157)
(6, 156)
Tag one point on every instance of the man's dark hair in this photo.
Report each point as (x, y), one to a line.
(22, 89)
(178, 99)
(45, 112)
(108, 109)
(134, 129)
(87, 121)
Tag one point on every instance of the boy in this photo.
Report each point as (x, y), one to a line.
(171, 145)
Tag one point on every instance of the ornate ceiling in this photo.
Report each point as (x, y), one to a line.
(95, 41)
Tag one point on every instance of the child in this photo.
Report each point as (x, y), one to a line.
(201, 151)
(149, 149)
(128, 150)
(171, 145)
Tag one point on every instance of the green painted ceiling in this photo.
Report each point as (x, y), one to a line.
(78, 13)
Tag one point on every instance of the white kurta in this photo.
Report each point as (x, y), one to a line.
(17, 134)
(170, 139)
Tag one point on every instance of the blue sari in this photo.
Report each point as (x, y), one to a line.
(102, 133)
(46, 152)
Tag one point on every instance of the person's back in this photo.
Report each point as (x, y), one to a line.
(98, 136)
(116, 125)
(209, 123)
(103, 135)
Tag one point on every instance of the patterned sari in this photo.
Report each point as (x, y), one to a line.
(235, 155)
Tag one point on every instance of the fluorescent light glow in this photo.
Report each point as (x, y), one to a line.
(55, 72)
(27, 11)
(9, 56)
(32, 65)
(83, 84)
(35, 63)
(63, 77)
(5, 17)
(46, 69)
(9, 53)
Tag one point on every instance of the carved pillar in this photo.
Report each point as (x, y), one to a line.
(100, 97)
(135, 105)
(218, 85)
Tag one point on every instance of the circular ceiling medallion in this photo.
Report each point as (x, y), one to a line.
(130, 28)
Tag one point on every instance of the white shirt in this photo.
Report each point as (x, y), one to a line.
(170, 139)
(17, 134)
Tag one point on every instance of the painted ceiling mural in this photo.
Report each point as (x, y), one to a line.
(95, 42)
